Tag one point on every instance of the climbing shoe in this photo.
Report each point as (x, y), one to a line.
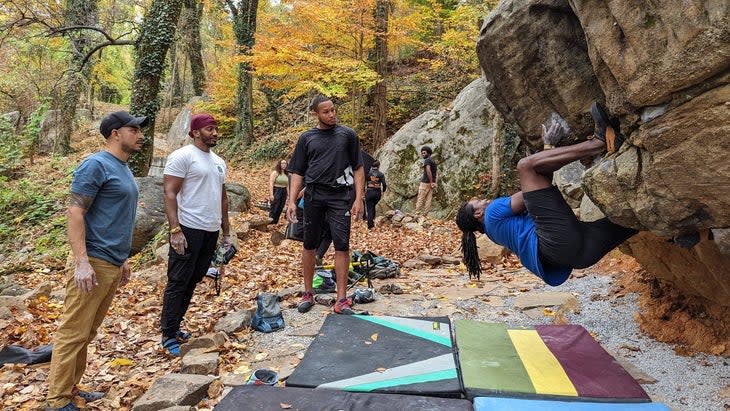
(344, 306)
(606, 130)
(263, 377)
(307, 302)
(183, 336)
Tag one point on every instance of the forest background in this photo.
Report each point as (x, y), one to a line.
(257, 64)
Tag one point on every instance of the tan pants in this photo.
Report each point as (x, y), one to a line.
(83, 313)
(423, 202)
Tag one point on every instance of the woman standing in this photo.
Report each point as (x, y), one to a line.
(278, 183)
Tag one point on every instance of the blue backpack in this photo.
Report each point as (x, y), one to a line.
(268, 316)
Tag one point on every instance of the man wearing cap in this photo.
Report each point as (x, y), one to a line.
(196, 205)
(100, 217)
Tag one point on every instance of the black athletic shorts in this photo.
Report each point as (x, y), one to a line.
(325, 205)
(563, 240)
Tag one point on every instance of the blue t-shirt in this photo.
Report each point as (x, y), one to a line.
(517, 232)
(109, 220)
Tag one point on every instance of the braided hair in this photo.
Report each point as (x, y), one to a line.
(468, 224)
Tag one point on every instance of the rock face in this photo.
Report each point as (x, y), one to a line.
(461, 139)
(50, 127)
(663, 69)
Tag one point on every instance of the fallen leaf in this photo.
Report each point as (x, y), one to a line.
(260, 356)
(374, 337)
(118, 362)
(284, 406)
(381, 369)
(548, 312)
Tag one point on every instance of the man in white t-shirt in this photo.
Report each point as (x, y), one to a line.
(196, 205)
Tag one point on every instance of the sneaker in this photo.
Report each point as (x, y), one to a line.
(171, 346)
(183, 336)
(68, 407)
(344, 306)
(606, 130)
(307, 302)
(90, 396)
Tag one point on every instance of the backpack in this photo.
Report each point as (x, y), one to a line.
(379, 266)
(268, 316)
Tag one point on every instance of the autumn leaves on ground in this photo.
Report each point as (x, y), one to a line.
(125, 358)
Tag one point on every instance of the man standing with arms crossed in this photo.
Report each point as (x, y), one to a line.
(100, 216)
(327, 160)
(196, 205)
(428, 182)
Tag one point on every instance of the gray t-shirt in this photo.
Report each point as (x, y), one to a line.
(109, 220)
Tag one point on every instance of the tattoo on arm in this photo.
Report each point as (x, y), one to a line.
(80, 201)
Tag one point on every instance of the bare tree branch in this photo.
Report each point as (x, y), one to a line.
(105, 44)
(62, 30)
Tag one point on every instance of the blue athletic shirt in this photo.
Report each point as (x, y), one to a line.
(109, 221)
(517, 232)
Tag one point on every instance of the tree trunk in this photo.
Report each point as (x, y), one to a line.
(379, 97)
(78, 13)
(244, 26)
(158, 33)
(192, 35)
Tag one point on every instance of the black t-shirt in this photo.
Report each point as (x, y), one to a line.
(375, 180)
(327, 156)
(428, 162)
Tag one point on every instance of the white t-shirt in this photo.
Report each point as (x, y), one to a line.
(199, 199)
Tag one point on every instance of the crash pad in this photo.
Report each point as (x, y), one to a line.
(381, 354)
(561, 362)
(512, 404)
(266, 398)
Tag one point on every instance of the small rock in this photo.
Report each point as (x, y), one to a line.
(447, 259)
(413, 226)
(197, 361)
(235, 321)
(206, 341)
(430, 259)
(415, 264)
(174, 389)
(260, 222)
(277, 237)
(161, 253)
(14, 290)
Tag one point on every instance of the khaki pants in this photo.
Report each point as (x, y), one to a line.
(83, 313)
(423, 202)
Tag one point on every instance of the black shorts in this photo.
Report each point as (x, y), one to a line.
(563, 240)
(324, 205)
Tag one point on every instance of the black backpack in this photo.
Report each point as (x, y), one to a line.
(268, 316)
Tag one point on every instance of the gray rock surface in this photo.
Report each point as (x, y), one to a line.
(197, 361)
(172, 390)
(461, 138)
(235, 321)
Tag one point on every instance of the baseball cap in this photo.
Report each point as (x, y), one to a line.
(119, 119)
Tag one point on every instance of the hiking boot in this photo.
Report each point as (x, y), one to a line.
(344, 306)
(606, 130)
(307, 302)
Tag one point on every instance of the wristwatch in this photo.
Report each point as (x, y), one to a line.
(175, 230)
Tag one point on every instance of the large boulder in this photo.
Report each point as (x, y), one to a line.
(461, 138)
(664, 70)
(50, 127)
(534, 55)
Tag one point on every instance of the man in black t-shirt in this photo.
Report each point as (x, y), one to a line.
(327, 160)
(428, 182)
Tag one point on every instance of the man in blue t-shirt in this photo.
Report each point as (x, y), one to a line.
(327, 160)
(536, 223)
(101, 216)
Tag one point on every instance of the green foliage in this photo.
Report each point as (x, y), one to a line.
(270, 150)
(18, 147)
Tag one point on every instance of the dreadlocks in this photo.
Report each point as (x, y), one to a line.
(468, 224)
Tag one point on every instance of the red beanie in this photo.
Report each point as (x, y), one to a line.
(199, 121)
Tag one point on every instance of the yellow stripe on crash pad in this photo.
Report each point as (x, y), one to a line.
(545, 371)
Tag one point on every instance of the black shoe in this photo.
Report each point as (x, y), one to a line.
(607, 130)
